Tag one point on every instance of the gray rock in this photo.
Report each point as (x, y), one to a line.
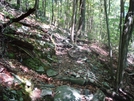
(51, 72)
(66, 93)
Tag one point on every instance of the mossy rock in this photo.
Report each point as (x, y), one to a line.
(35, 64)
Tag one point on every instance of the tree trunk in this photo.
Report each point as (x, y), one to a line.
(52, 11)
(18, 4)
(109, 42)
(36, 6)
(73, 20)
(81, 26)
(124, 42)
(44, 7)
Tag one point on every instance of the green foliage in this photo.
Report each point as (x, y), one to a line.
(44, 19)
(17, 24)
(95, 20)
(95, 26)
(11, 55)
(7, 14)
(49, 56)
(15, 6)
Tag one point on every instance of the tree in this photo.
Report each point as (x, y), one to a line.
(36, 6)
(52, 19)
(81, 26)
(73, 20)
(44, 7)
(109, 42)
(125, 37)
(18, 4)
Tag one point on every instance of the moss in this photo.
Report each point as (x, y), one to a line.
(11, 55)
(34, 64)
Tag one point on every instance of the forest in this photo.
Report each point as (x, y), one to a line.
(66, 50)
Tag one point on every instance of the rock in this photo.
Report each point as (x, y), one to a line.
(40, 69)
(78, 81)
(98, 96)
(51, 72)
(46, 91)
(66, 93)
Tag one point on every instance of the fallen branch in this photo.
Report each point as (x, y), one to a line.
(3, 26)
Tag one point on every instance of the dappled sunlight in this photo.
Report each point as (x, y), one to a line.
(99, 50)
(35, 94)
(80, 61)
(14, 82)
(25, 69)
(45, 26)
(6, 79)
(51, 53)
(11, 64)
(76, 94)
(2, 16)
(84, 47)
(60, 53)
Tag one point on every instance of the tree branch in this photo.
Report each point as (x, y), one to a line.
(30, 11)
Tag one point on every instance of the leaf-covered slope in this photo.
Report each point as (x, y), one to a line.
(35, 49)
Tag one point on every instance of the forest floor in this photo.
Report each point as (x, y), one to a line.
(84, 66)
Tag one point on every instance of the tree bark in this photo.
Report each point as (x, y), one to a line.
(18, 4)
(44, 7)
(36, 7)
(81, 26)
(73, 21)
(52, 11)
(124, 42)
(109, 42)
